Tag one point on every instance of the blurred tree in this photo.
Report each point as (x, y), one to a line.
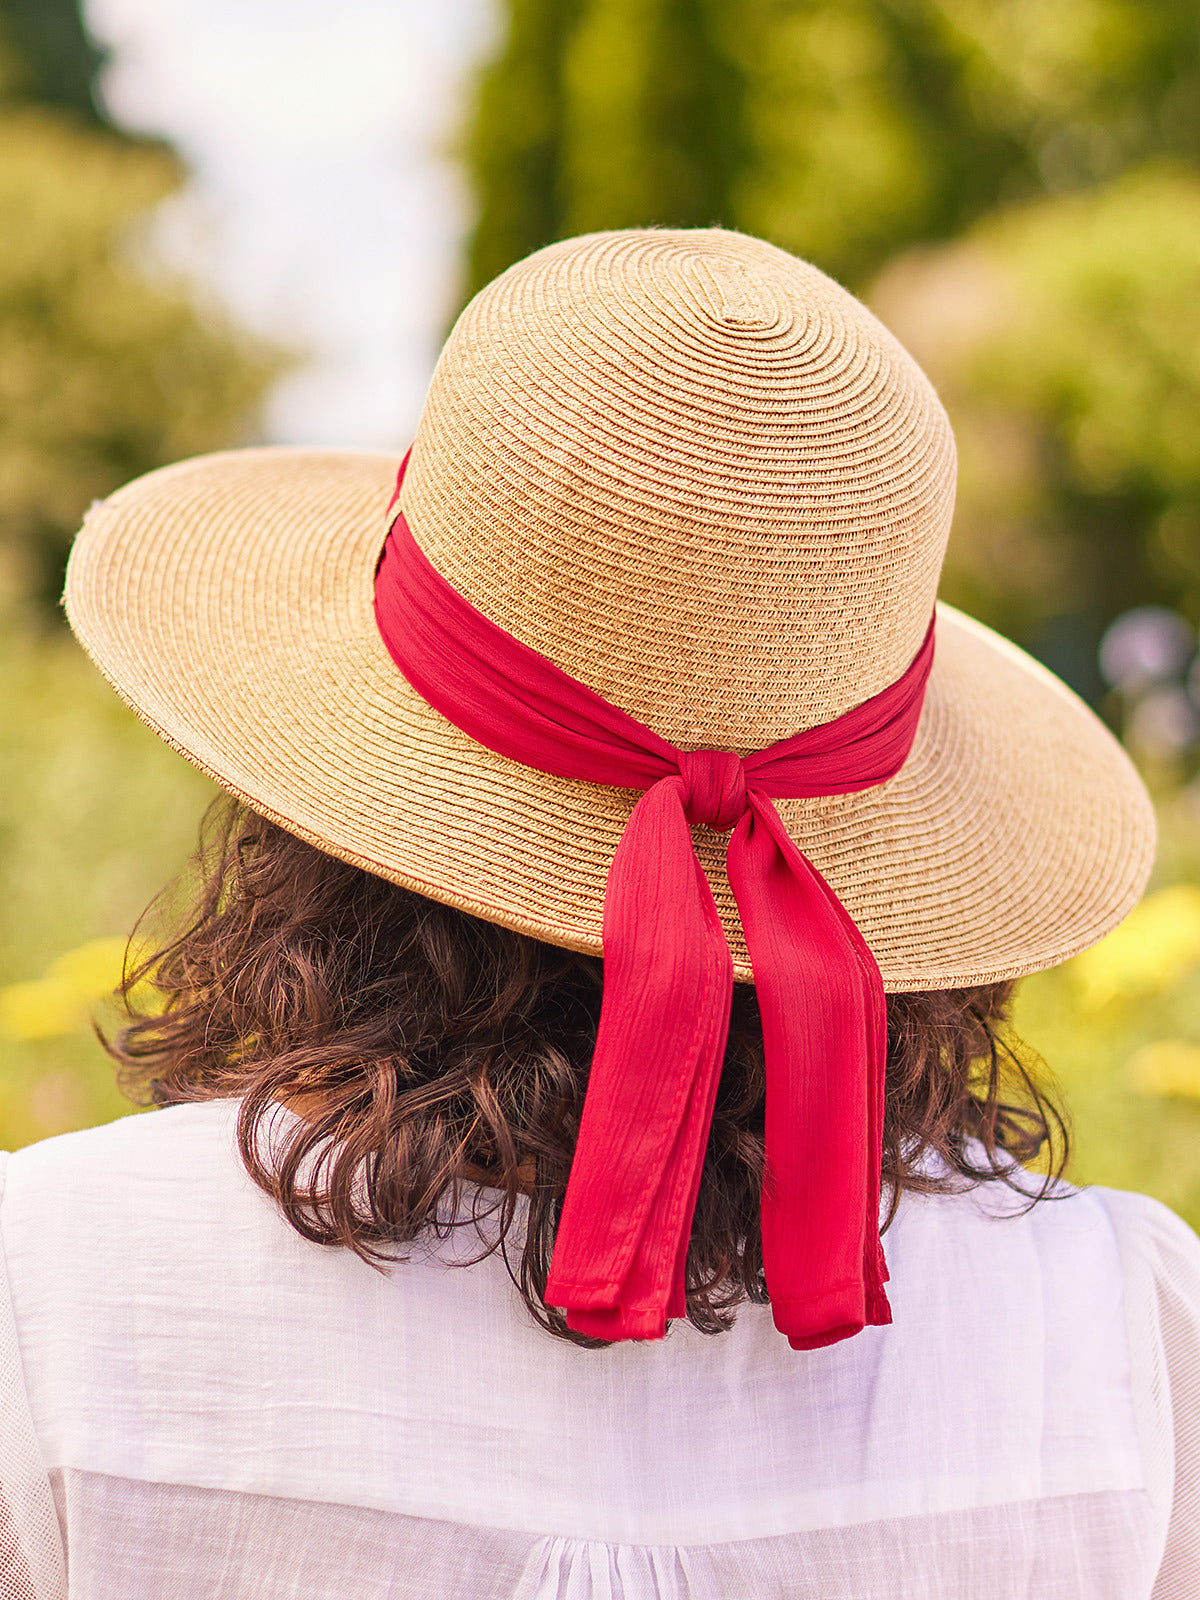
(878, 124)
(652, 124)
(52, 58)
(1090, 88)
(515, 140)
(1064, 337)
(865, 132)
(844, 130)
(107, 366)
(598, 114)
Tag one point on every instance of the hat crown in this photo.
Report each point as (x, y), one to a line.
(693, 472)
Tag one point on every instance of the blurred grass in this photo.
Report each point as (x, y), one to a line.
(96, 816)
(1118, 1028)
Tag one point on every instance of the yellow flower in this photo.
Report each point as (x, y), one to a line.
(1152, 950)
(1166, 1067)
(59, 1002)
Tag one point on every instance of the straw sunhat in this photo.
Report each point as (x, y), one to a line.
(700, 477)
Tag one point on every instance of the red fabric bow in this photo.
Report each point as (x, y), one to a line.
(621, 1246)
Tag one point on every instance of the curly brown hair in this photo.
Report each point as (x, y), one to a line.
(437, 1066)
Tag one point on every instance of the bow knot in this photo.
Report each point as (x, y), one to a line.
(715, 781)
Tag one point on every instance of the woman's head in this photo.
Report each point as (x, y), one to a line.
(638, 658)
(423, 1051)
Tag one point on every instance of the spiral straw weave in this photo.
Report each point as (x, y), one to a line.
(702, 478)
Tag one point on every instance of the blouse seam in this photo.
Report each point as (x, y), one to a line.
(536, 1535)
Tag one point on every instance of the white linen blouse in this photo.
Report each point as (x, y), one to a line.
(197, 1404)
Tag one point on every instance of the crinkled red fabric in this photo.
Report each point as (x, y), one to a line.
(621, 1248)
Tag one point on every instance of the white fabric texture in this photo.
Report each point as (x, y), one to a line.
(216, 1409)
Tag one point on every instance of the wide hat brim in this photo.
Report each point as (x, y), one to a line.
(228, 601)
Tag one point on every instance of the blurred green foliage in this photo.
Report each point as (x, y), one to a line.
(109, 364)
(874, 125)
(51, 58)
(598, 112)
(1064, 336)
(844, 130)
(96, 816)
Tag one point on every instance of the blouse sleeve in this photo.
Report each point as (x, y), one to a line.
(1160, 1257)
(31, 1553)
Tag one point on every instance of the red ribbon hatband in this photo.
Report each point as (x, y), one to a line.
(621, 1247)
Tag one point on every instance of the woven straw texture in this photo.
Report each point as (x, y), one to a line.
(703, 479)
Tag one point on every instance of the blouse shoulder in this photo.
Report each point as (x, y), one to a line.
(79, 1192)
(1153, 1234)
(31, 1549)
(68, 1206)
(1160, 1259)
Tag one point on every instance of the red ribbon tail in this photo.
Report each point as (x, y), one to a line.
(621, 1248)
(821, 1000)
